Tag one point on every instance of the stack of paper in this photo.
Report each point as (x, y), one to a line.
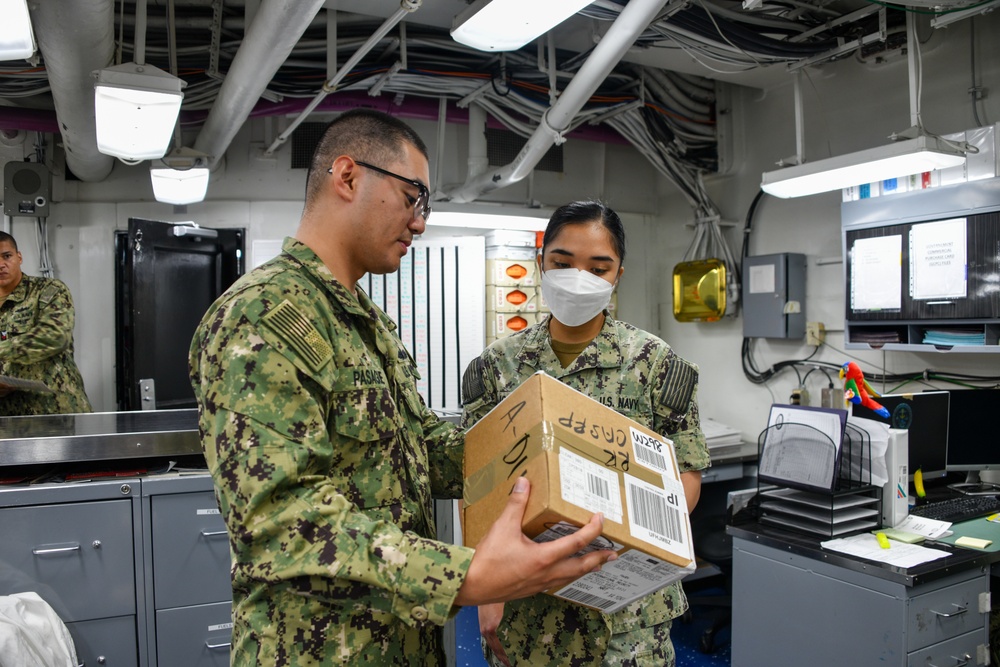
(718, 434)
(954, 337)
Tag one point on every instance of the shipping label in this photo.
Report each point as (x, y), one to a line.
(657, 515)
(588, 485)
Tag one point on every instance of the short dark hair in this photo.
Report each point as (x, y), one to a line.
(7, 238)
(364, 134)
(581, 213)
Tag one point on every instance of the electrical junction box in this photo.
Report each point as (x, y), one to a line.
(774, 293)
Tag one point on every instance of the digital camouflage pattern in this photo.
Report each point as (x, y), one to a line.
(36, 343)
(325, 460)
(638, 375)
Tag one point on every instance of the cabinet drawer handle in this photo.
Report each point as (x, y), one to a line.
(212, 533)
(961, 610)
(55, 550)
(215, 646)
(959, 662)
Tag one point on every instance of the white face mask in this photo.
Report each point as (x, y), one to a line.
(575, 297)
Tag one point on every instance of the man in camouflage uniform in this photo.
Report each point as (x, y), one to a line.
(36, 340)
(324, 457)
(639, 376)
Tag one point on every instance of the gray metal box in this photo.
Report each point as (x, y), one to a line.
(774, 295)
(190, 551)
(197, 636)
(106, 641)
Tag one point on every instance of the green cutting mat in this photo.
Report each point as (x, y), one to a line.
(981, 528)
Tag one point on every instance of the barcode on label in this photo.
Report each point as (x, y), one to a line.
(589, 599)
(651, 511)
(651, 458)
(598, 486)
(651, 452)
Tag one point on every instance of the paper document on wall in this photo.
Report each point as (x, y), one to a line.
(876, 273)
(938, 260)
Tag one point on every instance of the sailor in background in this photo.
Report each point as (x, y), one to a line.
(36, 341)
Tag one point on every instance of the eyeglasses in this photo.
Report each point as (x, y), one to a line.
(422, 203)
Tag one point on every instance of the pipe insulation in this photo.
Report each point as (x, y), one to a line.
(631, 22)
(273, 34)
(75, 38)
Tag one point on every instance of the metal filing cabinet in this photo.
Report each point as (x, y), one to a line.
(189, 609)
(74, 544)
(791, 609)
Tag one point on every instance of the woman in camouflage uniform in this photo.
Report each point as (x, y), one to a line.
(623, 367)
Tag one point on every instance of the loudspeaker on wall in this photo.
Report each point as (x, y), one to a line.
(27, 189)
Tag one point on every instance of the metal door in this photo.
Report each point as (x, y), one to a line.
(167, 276)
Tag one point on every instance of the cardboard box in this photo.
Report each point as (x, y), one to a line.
(511, 237)
(508, 252)
(512, 299)
(511, 272)
(499, 325)
(581, 458)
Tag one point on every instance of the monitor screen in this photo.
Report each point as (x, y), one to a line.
(925, 416)
(972, 434)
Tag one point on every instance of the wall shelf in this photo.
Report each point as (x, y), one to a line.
(957, 324)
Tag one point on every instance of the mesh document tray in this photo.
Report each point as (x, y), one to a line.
(814, 486)
(798, 456)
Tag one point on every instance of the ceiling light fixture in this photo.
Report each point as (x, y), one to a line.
(507, 25)
(912, 151)
(17, 42)
(180, 178)
(136, 108)
(136, 105)
(901, 158)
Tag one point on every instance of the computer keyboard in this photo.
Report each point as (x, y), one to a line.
(962, 508)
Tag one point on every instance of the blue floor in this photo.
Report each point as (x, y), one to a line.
(686, 637)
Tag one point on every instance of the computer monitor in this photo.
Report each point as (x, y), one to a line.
(925, 416)
(972, 434)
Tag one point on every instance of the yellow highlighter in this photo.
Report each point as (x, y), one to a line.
(883, 541)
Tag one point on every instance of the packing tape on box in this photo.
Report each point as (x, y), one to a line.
(506, 465)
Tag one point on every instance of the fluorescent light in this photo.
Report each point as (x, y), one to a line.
(16, 39)
(487, 221)
(136, 108)
(172, 186)
(900, 158)
(180, 177)
(506, 25)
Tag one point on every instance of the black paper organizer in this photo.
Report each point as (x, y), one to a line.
(795, 493)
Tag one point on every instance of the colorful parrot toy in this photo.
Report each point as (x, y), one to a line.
(857, 390)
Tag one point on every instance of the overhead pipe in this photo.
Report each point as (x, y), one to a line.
(631, 22)
(76, 37)
(405, 7)
(479, 160)
(274, 32)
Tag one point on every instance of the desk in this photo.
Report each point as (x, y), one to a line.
(796, 604)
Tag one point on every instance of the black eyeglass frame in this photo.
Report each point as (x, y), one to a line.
(421, 205)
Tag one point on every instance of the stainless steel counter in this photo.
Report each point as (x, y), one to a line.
(99, 436)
